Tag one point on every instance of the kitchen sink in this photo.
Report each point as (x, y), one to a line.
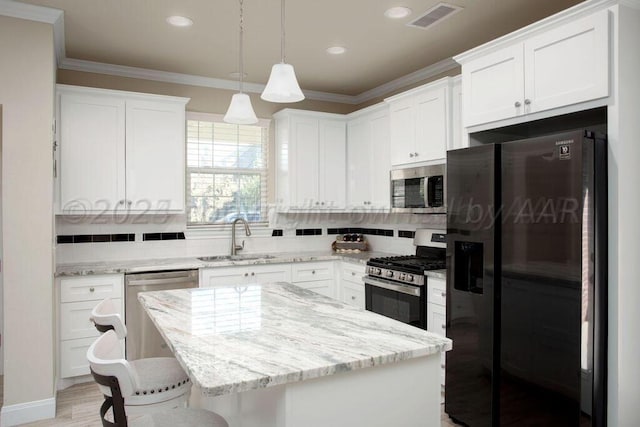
(243, 257)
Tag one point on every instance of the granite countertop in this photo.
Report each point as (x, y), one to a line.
(141, 266)
(233, 339)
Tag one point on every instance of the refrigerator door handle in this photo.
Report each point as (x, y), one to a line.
(426, 192)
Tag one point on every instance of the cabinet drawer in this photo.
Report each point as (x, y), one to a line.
(74, 319)
(312, 271)
(91, 288)
(353, 273)
(436, 291)
(353, 296)
(73, 357)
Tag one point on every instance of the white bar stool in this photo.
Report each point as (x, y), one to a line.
(118, 380)
(160, 382)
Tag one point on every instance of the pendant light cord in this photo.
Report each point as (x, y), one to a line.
(240, 61)
(282, 31)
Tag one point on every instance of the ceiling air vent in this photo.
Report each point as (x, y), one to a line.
(434, 15)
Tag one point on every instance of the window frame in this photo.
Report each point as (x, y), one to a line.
(213, 117)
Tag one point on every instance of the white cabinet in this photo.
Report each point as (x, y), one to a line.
(420, 123)
(544, 71)
(351, 284)
(459, 138)
(78, 296)
(315, 276)
(120, 151)
(244, 274)
(368, 158)
(436, 316)
(310, 160)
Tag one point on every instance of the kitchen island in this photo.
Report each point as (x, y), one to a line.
(279, 355)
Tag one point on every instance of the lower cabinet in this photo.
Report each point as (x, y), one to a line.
(244, 274)
(351, 284)
(315, 276)
(78, 296)
(436, 317)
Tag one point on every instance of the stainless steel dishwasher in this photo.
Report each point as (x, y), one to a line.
(143, 339)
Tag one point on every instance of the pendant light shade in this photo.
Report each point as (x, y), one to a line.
(282, 85)
(240, 110)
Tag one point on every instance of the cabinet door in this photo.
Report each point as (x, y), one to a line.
(380, 154)
(304, 162)
(155, 156)
(92, 153)
(354, 296)
(73, 357)
(569, 64)
(332, 165)
(312, 271)
(224, 276)
(493, 86)
(402, 130)
(270, 273)
(432, 122)
(436, 319)
(457, 129)
(359, 162)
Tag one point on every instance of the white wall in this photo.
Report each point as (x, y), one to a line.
(27, 71)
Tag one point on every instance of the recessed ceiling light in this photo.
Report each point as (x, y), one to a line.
(336, 50)
(179, 21)
(397, 12)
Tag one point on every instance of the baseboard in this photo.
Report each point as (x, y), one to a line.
(21, 413)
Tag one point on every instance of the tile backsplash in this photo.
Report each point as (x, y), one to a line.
(112, 238)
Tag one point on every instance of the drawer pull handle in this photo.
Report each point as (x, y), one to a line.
(443, 294)
(92, 289)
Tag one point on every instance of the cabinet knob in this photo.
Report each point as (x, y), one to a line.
(317, 203)
(121, 202)
(444, 326)
(443, 294)
(253, 274)
(411, 155)
(353, 273)
(442, 365)
(313, 272)
(129, 202)
(517, 104)
(246, 274)
(322, 203)
(527, 102)
(92, 289)
(416, 154)
(353, 297)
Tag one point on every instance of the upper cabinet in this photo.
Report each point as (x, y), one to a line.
(565, 65)
(119, 151)
(368, 158)
(421, 123)
(310, 160)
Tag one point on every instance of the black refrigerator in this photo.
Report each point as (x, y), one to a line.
(527, 282)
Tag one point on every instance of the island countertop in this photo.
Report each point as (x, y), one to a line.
(234, 339)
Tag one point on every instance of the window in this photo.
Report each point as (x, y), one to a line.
(226, 170)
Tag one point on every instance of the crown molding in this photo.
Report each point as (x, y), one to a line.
(47, 15)
(408, 79)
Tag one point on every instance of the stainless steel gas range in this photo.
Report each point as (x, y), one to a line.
(396, 286)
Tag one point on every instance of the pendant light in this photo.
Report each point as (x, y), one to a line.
(282, 85)
(240, 110)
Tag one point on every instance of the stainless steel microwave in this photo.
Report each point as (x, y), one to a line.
(419, 190)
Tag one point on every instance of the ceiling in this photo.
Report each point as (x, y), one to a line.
(134, 33)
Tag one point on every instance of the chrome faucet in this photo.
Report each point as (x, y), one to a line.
(235, 248)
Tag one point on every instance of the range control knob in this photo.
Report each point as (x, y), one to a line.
(409, 277)
(378, 271)
(402, 276)
(389, 273)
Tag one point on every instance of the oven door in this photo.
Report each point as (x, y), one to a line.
(398, 301)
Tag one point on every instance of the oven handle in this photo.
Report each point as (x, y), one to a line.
(405, 289)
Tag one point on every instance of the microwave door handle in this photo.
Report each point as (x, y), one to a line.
(426, 192)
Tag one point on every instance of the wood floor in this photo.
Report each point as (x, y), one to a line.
(79, 406)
